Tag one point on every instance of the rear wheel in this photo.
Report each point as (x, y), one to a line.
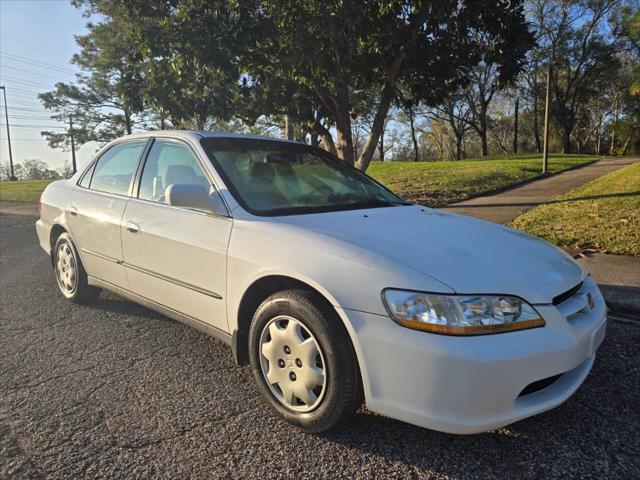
(70, 273)
(303, 361)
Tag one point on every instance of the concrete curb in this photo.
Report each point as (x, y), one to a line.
(622, 298)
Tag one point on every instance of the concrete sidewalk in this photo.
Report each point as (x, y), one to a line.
(617, 275)
(19, 208)
(507, 205)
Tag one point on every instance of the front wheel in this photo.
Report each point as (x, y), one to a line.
(303, 361)
(70, 274)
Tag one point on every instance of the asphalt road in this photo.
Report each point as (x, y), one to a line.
(114, 390)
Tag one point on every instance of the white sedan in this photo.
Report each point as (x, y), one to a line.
(335, 290)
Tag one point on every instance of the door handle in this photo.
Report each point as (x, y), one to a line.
(73, 210)
(132, 227)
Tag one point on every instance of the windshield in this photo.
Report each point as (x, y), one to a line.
(276, 178)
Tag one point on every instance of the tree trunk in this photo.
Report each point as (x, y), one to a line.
(377, 128)
(483, 140)
(536, 125)
(566, 138)
(482, 120)
(613, 131)
(324, 135)
(515, 126)
(343, 126)
(288, 128)
(381, 148)
(459, 146)
(626, 143)
(413, 135)
(127, 120)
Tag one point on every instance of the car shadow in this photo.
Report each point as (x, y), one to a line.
(113, 303)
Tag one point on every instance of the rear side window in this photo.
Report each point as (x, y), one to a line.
(86, 179)
(169, 163)
(114, 169)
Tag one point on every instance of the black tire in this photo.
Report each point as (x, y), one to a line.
(80, 291)
(342, 392)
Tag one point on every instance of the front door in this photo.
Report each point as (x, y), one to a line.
(175, 256)
(95, 209)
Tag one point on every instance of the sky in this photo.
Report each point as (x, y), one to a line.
(36, 45)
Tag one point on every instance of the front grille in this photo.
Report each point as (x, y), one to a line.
(539, 385)
(563, 297)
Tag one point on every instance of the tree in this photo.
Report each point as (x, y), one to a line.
(331, 54)
(67, 170)
(479, 94)
(108, 92)
(456, 113)
(190, 53)
(581, 48)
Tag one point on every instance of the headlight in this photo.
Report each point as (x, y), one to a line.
(460, 314)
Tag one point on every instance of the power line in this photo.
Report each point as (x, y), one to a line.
(30, 72)
(25, 109)
(24, 139)
(19, 102)
(16, 89)
(28, 83)
(24, 117)
(23, 96)
(15, 125)
(35, 42)
(37, 63)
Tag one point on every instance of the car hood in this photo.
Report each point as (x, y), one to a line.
(469, 255)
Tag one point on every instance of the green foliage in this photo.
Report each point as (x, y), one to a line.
(320, 63)
(439, 183)
(108, 92)
(603, 215)
(577, 41)
(335, 58)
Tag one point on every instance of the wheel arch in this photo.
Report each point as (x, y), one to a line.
(56, 230)
(256, 293)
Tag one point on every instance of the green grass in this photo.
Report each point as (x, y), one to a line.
(439, 183)
(602, 215)
(27, 191)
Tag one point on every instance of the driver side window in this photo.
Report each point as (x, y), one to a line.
(169, 163)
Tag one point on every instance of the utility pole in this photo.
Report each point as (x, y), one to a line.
(515, 125)
(545, 149)
(73, 146)
(6, 116)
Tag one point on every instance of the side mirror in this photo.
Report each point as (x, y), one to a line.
(194, 196)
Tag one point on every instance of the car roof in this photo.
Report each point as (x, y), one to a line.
(196, 134)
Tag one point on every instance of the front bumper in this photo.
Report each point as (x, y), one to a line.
(474, 384)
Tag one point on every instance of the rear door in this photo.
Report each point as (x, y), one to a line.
(96, 207)
(176, 256)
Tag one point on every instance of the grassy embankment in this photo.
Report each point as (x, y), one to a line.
(439, 183)
(602, 215)
(27, 191)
